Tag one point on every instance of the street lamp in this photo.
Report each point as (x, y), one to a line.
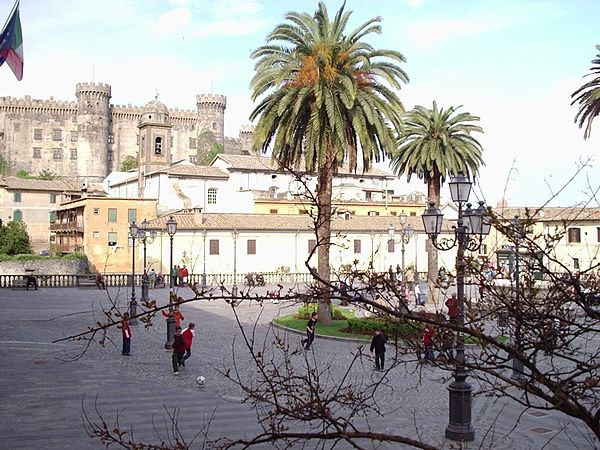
(472, 226)
(406, 232)
(145, 236)
(517, 364)
(234, 289)
(133, 232)
(171, 230)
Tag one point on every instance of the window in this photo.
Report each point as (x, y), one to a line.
(212, 196)
(158, 146)
(391, 246)
(17, 197)
(251, 246)
(573, 235)
(214, 125)
(18, 215)
(193, 142)
(312, 243)
(57, 153)
(598, 234)
(137, 139)
(131, 215)
(74, 136)
(214, 247)
(37, 152)
(96, 211)
(112, 239)
(356, 245)
(111, 138)
(170, 141)
(96, 234)
(483, 249)
(412, 214)
(193, 159)
(37, 134)
(576, 263)
(52, 216)
(272, 211)
(109, 155)
(368, 196)
(73, 153)
(52, 197)
(112, 215)
(373, 213)
(56, 134)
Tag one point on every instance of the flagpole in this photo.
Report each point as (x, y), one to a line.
(12, 11)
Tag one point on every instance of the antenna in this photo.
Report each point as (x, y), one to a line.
(155, 94)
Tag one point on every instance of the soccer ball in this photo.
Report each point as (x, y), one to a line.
(200, 380)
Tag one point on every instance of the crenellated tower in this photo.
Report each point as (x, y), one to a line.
(211, 115)
(246, 133)
(93, 122)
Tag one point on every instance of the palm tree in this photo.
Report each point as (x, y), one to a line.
(327, 98)
(437, 143)
(588, 97)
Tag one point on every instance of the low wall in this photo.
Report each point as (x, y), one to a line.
(44, 267)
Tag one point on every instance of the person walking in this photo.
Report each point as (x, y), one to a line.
(152, 277)
(452, 305)
(428, 343)
(418, 301)
(188, 336)
(126, 332)
(378, 345)
(178, 350)
(311, 326)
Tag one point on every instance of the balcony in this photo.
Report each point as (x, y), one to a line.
(67, 227)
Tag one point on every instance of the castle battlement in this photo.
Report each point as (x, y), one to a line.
(246, 128)
(101, 88)
(174, 113)
(27, 103)
(211, 100)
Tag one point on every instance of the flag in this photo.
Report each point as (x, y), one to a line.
(11, 44)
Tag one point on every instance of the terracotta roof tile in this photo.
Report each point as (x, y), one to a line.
(23, 184)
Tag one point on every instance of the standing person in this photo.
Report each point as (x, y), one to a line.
(311, 326)
(378, 345)
(178, 276)
(452, 305)
(178, 350)
(174, 275)
(418, 301)
(177, 314)
(126, 332)
(100, 281)
(188, 337)
(428, 343)
(152, 276)
(184, 276)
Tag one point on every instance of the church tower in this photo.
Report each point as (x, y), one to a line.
(155, 141)
(93, 122)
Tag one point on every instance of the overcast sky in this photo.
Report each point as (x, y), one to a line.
(512, 63)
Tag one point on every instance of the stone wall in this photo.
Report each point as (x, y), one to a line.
(44, 267)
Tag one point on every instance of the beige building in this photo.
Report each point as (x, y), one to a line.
(99, 227)
(33, 202)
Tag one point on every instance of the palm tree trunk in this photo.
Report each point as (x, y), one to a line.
(433, 195)
(323, 225)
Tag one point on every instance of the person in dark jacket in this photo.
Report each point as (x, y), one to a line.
(311, 326)
(378, 345)
(178, 350)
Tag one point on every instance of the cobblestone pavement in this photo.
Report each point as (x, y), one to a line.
(46, 385)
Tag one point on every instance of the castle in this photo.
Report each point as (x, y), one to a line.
(90, 137)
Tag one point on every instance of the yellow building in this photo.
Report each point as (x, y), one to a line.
(99, 227)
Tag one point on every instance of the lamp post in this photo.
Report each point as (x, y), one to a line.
(234, 289)
(517, 364)
(472, 226)
(204, 259)
(145, 236)
(171, 230)
(406, 232)
(133, 232)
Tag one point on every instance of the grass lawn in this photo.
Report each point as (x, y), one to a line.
(322, 330)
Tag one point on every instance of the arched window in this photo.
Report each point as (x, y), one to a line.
(158, 146)
(18, 215)
(212, 196)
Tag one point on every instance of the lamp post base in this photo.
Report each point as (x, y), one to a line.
(460, 427)
(234, 290)
(170, 333)
(133, 312)
(517, 371)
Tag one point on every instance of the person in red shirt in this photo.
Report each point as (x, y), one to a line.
(177, 314)
(452, 305)
(428, 343)
(178, 350)
(188, 337)
(126, 331)
(184, 276)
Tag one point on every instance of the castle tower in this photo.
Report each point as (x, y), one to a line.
(246, 132)
(155, 140)
(93, 122)
(211, 115)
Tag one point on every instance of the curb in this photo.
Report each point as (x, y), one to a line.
(321, 336)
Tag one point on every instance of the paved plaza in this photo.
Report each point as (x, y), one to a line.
(45, 386)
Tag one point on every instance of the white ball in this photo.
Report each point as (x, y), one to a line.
(200, 380)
